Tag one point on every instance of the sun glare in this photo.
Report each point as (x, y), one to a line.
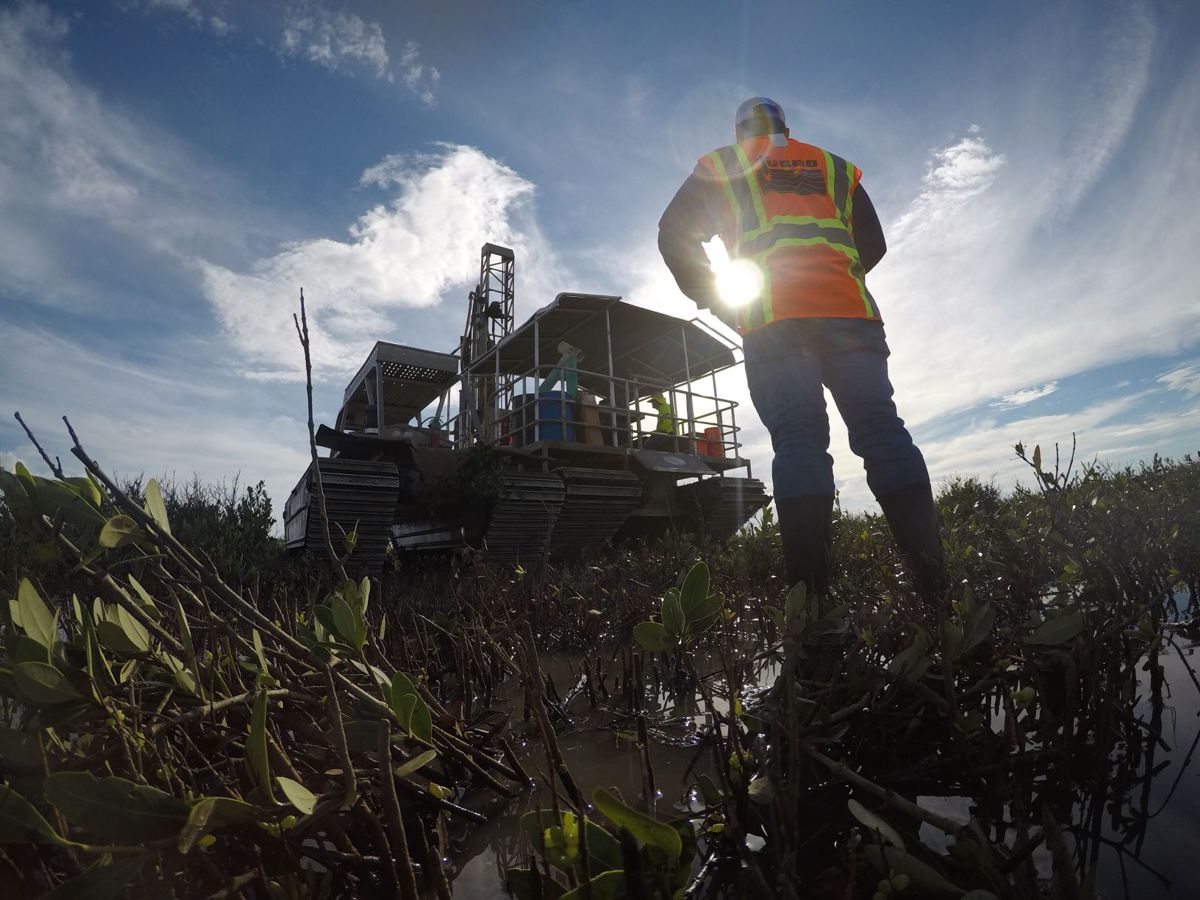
(739, 281)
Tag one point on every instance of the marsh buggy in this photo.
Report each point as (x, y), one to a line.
(545, 439)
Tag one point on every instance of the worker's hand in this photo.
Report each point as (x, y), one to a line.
(726, 314)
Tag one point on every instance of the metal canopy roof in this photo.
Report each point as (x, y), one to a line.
(410, 379)
(647, 346)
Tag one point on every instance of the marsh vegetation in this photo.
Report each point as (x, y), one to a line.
(188, 713)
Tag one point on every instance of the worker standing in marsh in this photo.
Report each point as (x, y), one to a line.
(801, 234)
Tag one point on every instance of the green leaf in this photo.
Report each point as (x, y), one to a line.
(54, 499)
(795, 606)
(155, 506)
(35, 616)
(761, 790)
(115, 810)
(401, 688)
(16, 497)
(978, 627)
(673, 620)
(21, 823)
(420, 724)
(257, 758)
(20, 751)
(100, 881)
(875, 824)
(608, 885)
(86, 488)
(604, 850)
(348, 623)
(212, 813)
(364, 593)
(529, 884)
(651, 636)
(148, 603)
(43, 684)
(924, 876)
(259, 652)
(120, 631)
(694, 589)
(1059, 630)
(641, 826)
(189, 649)
(298, 795)
(409, 766)
(119, 531)
(709, 790)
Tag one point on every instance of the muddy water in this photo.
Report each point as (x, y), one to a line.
(1149, 851)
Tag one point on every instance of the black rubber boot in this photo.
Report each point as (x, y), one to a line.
(913, 519)
(805, 524)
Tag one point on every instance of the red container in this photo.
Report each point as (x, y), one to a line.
(711, 444)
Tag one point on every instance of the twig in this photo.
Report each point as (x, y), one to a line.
(56, 464)
(302, 332)
(888, 796)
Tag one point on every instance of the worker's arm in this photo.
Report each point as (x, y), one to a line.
(868, 233)
(692, 217)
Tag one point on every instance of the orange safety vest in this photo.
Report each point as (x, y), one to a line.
(791, 209)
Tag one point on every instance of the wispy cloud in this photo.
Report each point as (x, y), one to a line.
(1184, 378)
(128, 414)
(402, 254)
(339, 40)
(1027, 395)
(197, 12)
(75, 170)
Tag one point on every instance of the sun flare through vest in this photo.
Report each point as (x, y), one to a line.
(790, 213)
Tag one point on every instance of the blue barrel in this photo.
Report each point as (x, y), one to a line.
(552, 407)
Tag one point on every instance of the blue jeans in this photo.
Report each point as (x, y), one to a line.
(788, 362)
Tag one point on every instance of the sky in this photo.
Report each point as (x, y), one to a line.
(173, 172)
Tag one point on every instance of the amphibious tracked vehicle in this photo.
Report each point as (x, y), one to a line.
(531, 441)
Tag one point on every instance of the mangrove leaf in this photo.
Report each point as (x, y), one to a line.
(119, 531)
(35, 616)
(298, 795)
(155, 506)
(100, 881)
(1059, 630)
(874, 823)
(43, 684)
(21, 823)
(212, 813)
(641, 826)
(115, 810)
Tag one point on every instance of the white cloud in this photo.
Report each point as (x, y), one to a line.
(197, 12)
(340, 40)
(1027, 395)
(1184, 378)
(75, 171)
(143, 418)
(403, 254)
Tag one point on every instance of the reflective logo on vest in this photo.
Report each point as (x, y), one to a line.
(791, 176)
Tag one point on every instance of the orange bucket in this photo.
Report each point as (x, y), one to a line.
(711, 444)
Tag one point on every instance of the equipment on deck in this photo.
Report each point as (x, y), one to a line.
(531, 441)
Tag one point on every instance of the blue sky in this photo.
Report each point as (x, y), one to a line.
(173, 171)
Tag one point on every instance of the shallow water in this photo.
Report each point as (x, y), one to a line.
(1162, 863)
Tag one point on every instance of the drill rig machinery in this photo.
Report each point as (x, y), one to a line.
(534, 440)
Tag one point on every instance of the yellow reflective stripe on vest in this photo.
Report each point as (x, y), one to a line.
(763, 311)
(752, 182)
(726, 183)
(850, 193)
